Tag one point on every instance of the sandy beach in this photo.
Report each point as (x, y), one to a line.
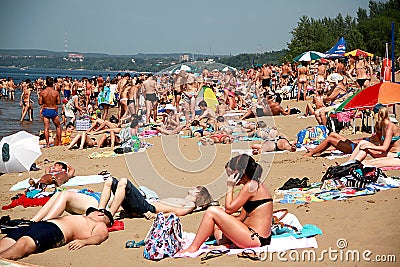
(366, 223)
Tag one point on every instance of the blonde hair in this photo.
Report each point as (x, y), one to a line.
(383, 114)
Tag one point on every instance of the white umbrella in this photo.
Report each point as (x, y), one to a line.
(19, 152)
(181, 67)
(310, 55)
(228, 68)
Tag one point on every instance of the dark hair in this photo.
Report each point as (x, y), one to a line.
(195, 123)
(135, 122)
(203, 198)
(49, 81)
(69, 124)
(220, 119)
(127, 75)
(246, 165)
(202, 103)
(64, 166)
(278, 98)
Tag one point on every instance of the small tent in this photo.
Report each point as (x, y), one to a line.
(338, 49)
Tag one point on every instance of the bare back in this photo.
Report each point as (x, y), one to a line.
(49, 98)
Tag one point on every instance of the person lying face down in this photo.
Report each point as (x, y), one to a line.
(75, 230)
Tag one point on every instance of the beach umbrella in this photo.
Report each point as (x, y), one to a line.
(385, 93)
(358, 52)
(228, 68)
(309, 55)
(208, 95)
(18, 152)
(181, 67)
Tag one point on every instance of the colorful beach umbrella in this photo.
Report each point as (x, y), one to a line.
(208, 95)
(385, 93)
(358, 52)
(18, 152)
(181, 67)
(309, 55)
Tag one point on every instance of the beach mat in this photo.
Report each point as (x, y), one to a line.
(390, 168)
(74, 181)
(277, 245)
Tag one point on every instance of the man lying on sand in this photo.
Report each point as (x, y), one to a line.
(75, 230)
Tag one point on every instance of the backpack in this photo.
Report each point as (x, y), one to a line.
(164, 238)
(340, 171)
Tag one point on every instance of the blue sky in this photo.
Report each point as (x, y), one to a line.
(127, 27)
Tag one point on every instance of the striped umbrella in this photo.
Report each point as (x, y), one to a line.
(309, 55)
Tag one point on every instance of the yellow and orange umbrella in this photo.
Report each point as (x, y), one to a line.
(358, 52)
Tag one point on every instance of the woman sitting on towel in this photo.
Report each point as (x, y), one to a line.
(390, 144)
(252, 227)
(133, 201)
(57, 174)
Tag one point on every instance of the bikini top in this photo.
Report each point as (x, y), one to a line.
(249, 206)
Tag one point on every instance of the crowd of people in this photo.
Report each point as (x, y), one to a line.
(168, 104)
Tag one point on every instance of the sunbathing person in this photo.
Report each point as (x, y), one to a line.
(57, 174)
(334, 141)
(389, 145)
(279, 144)
(75, 230)
(217, 138)
(171, 124)
(129, 198)
(74, 202)
(84, 140)
(389, 161)
(100, 124)
(252, 227)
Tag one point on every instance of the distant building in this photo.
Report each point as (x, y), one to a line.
(75, 57)
(184, 57)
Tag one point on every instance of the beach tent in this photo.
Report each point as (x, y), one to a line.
(338, 50)
(385, 93)
(208, 95)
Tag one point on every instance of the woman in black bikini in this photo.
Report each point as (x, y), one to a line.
(252, 227)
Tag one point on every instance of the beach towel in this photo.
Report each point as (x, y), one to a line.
(277, 244)
(311, 135)
(74, 181)
(24, 201)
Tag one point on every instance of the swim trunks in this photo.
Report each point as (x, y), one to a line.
(49, 113)
(46, 235)
(151, 97)
(131, 101)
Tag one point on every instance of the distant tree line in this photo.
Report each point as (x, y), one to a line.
(369, 31)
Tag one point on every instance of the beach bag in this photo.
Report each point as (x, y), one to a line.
(361, 177)
(164, 238)
(340, 171)
(284, 222)
(312, 136)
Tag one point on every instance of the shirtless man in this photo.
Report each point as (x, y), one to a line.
(266, 74)
(67, 85)
(11, 88)
(25, 100)
(75, 230)
(208, 113)
(302, 81)
(133, 100)
(150, 88)
(321, 75)
(49, 99)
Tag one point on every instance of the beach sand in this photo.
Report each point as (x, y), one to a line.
(366, 223)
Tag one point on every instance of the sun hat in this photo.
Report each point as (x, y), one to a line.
(334, 78)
